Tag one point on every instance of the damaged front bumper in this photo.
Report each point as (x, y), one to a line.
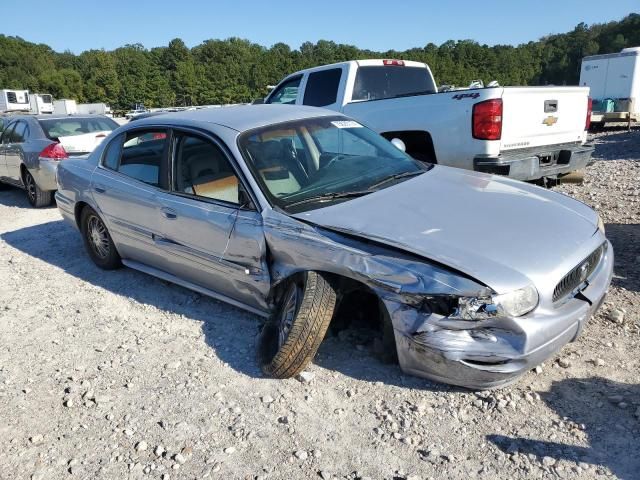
(493, 353)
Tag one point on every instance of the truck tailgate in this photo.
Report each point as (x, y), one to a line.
(540, 116)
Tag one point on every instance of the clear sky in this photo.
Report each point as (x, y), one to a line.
(374, 24)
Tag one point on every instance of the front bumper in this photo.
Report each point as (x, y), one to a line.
(489, 354)
(525, 165)
(45, 174)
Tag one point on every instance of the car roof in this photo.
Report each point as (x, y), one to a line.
(240, 117)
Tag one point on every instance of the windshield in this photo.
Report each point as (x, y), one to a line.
(313, 162)
(55, 128)
(377, 82)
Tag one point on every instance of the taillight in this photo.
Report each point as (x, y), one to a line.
(487, 120)
(393, 63)
(587, 122)
(54, 151)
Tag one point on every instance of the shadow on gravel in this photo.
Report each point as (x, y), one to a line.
(611, 430)
(618, 145)
(230, 332)
(625, 239)
(14, 197)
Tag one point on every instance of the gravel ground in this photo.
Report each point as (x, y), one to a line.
(114, 375)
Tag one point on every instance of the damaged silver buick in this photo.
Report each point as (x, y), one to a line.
(297, 214)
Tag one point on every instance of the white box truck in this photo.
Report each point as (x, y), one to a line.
(65, 107)
(41, 103)
(14, 101)
(614, 80)
(94, 109)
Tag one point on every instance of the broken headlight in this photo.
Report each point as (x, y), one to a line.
(512, 304)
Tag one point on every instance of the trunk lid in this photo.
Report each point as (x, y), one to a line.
(84, 143)
(540, 116)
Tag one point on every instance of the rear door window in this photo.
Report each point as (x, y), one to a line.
(322, 87)
(287, 93)
(144, 155)
(8, 133)
(19, 134)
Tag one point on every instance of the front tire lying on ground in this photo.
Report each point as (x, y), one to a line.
(97, 240)
(290, 341)
(37, 197)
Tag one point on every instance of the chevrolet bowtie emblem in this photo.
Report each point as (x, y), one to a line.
(550, 120)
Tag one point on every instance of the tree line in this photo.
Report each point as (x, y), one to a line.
(237, 70)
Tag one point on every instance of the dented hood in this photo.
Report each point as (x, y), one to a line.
(504, 233)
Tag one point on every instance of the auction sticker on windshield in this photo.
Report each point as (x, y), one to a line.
(346, 124)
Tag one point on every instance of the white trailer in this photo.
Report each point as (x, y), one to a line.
(41, 103)
(65, 107)
(14, 101)
(94, 109)
(614, 80)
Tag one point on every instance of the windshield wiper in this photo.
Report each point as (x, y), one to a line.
(397, 176)
(330, 196)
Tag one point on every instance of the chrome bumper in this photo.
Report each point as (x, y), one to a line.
(481, 355)
(529, 166)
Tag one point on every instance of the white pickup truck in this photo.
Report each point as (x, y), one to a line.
(527, 133)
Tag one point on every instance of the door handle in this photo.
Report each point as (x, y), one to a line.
(169, 213)
(99, 188)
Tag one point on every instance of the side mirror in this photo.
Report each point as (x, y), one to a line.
(258, 101)
(399, 144)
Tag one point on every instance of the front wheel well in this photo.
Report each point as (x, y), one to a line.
(419, 144)
(360, 316)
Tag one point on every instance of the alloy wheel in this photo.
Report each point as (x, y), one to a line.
(290, 307)
(30, 186)
(98, 237)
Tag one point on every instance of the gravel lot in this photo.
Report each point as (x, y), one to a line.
(114, 375)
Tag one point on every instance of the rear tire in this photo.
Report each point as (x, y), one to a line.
(37, 197)
(97, 240)
(290, 342)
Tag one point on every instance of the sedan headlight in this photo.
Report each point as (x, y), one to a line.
(600, 224)
(512, 304)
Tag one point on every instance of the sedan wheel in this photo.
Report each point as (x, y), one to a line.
(37, 198)
(97, 241)
(291, 340)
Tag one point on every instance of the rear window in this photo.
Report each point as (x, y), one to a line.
(47, 99)
(322, 87)
(69, 127)
(377, 83)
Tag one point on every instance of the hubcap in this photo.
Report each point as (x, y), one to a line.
(31, 187)
(288, 313)
(98, 237)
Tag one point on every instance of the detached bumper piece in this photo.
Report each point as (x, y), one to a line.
(533, 164)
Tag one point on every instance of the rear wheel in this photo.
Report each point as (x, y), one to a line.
(97, 241)
(291, 341)
(37, 197)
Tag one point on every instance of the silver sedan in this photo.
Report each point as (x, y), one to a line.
(31, 147)
(303, 216)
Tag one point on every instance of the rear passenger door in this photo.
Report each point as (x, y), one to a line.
(5, 143)
(14, 153)
(126, 186)
(212, 238)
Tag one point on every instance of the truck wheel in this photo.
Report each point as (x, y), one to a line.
(97, 240)
(290, 342)
(37, 197)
